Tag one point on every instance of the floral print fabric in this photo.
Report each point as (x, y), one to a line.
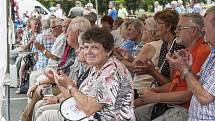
(111, 85)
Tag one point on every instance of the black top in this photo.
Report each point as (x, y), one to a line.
(166, 69)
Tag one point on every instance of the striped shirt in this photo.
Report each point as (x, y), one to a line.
(198, 112)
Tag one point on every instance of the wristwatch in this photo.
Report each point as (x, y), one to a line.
(184, 73)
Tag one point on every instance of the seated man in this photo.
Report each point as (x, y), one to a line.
(26, 45)
(47, 40)
(202, 86)
(50, 47)
(134, 33)
(174, 97)
(77, 25)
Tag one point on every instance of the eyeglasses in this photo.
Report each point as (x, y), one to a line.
(179, 28)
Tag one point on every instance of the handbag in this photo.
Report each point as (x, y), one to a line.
(158, 110)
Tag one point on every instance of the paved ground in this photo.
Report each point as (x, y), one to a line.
(18, 103)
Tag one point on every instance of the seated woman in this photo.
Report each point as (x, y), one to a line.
(107, 91)
(149, 52)
(166, 22)
(53, 102)
(76, 27)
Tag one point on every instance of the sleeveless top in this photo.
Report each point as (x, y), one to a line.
(146, 79)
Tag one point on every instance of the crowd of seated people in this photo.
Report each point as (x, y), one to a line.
(157, 69)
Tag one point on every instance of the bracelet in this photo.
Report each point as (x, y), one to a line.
(44, 52)
(184, 73)
(69, 89)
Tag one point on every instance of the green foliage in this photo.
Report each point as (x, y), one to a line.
(120, 1)
(131, 4)
(102, 6)
(65, 4)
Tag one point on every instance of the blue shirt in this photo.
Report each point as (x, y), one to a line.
(113, 14)
(129, 46)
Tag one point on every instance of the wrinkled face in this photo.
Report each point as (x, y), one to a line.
(80, 54)
(72, 36)
(95, 54)
(209, 28)
(147, 34)
(132, 33)
(35, 25)
(184, 31)
(56, 30)
(65, 26)
(161, 29)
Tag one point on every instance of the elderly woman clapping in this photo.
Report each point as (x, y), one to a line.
(107, 91)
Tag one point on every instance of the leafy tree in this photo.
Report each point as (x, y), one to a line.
(65, 4)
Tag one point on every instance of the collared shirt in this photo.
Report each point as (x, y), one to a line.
(75, 70)
(198, 112)
(111, 86)
(57, 49)
(26, 37)
(200, 52)
(47, 40)
(68, 55)
(132, 47)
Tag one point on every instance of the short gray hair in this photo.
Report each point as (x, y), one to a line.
(56, 22)
(195, 20)
(137, 24)
(80, 23)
